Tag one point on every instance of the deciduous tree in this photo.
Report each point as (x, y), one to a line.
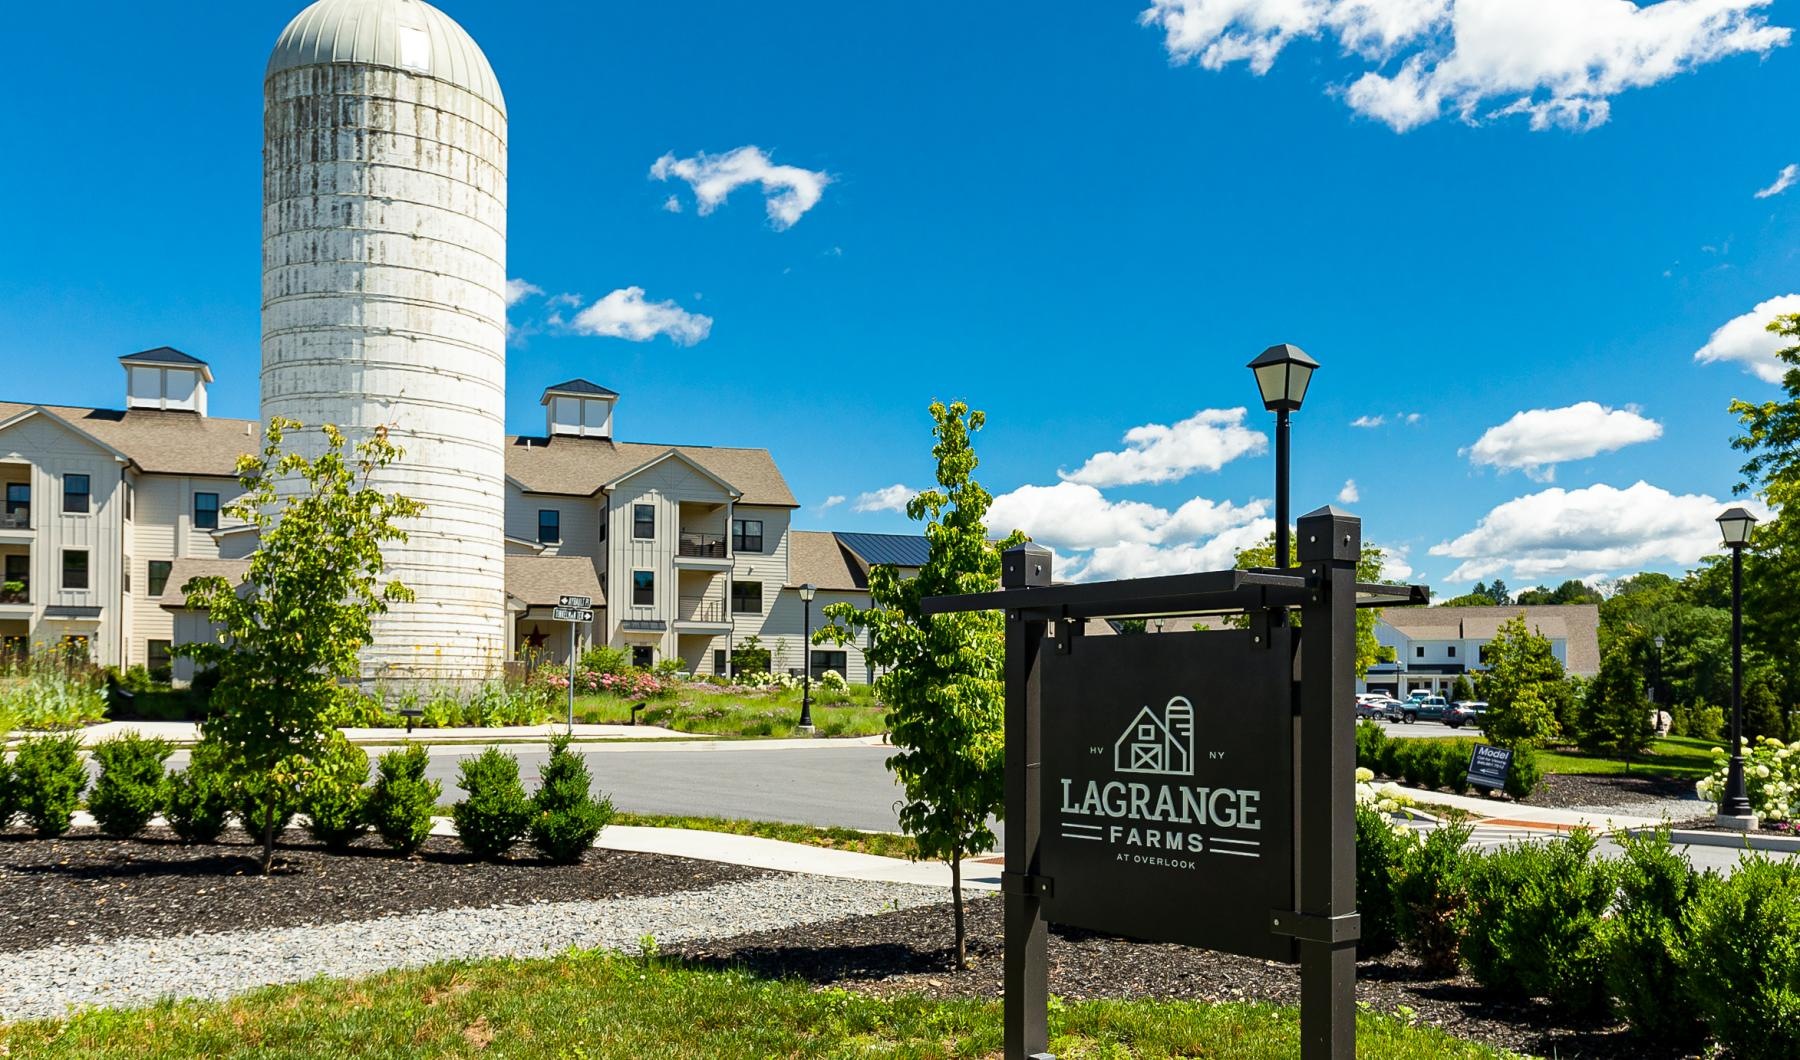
(1369, 651)
(943, 676)
(297, 624)
(1523, 686)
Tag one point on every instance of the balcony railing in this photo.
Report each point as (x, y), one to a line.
(17, 519)
(701, 546)
(21, 595)
(700, 609)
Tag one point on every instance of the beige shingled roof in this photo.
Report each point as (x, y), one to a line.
(580, 466)
(1576, 624)
(186, 570)
(540, 580)
(819, 558)
(171, 443)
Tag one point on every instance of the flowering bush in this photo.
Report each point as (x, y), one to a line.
(1771, 778)
(1388, 798)
(833, 680)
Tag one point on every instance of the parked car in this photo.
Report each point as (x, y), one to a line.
(1472, 712)
(1378, 708)
(1424, 708)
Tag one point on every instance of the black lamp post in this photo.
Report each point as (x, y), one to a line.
(1282, 374)
(1656, 682)
(806, 599)
(1734, 809)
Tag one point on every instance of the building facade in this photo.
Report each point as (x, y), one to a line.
(1433, 646)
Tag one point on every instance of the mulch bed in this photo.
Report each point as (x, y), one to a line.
(911, 952)
(1563, 790)
(86, 886)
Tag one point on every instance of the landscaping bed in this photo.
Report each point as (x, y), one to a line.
(1638, 794)
(911, 952)
(86, 886)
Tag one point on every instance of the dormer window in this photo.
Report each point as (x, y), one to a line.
(165, 378)
(579, 409)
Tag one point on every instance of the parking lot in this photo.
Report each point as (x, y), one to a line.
(1426, 728)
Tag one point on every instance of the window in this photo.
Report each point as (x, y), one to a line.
(1452, 650)
(75, 568)
(643, 521)
(746, 536)
(1481, 654)
(828, 660)
(643, 588)
(719, 661)
(76, 494)
(746, 598)
(206, 511)
(605, 514)
(159, 575)
(1419, 652)
(159, 660)
(18, 570)
(130, 505)
(643, 656)
(18, 498)
(125, 576)
(549, 526)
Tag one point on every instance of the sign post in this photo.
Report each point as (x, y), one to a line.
(574, 610)
(1193, 787)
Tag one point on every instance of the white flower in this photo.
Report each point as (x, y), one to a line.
(1364, 775)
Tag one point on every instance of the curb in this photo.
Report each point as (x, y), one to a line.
(1775, 844)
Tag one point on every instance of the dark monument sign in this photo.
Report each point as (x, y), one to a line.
(1168, 788)
(1193, 787)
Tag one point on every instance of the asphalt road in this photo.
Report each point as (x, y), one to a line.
(1426, 729)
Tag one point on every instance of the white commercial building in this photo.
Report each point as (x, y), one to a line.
(1433, 646)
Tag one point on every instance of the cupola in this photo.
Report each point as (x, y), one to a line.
(579, 409)
(166, 378)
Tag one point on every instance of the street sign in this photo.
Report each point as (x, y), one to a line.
(1488, 766)
(1168, 784)
(575, 601)
(572, 614)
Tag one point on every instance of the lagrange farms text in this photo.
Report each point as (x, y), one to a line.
(1138, 815)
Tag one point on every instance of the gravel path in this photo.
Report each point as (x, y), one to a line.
(48, 981)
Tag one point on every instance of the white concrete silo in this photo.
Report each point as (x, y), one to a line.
(384, 272)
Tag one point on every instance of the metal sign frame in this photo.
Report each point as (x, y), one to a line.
(1322, 925)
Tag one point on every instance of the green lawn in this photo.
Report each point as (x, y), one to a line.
(700, 709)
(589, 1005)
(884, 844)
(1669, 756)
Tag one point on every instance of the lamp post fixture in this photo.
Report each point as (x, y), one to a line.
(806, 599)
(1282, 375)
(1734, 809)
(1656, 682)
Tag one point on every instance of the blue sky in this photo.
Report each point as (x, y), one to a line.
(1083, 218)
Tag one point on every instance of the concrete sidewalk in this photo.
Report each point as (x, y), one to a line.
(1550, 818)
(187, 732)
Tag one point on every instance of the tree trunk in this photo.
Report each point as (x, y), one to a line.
(956, 898)
(268, 850)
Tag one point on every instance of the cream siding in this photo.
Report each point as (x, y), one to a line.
(163, 529)
(579, 517)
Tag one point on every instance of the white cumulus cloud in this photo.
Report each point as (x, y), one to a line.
(1155, 452)
(1095, 537)
(788, 191)
(832, 501)
(1536, 440)
(518, 290)
(1368, 422)
(887, 499)
(1349, 494)
(625, 314)
(1557, 533)
(1748, 340)
(1783, 181)
(1556, 62)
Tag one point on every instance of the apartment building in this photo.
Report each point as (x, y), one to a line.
(686, 551)
(1433, 646)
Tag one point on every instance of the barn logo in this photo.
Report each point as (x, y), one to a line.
(1163, 746)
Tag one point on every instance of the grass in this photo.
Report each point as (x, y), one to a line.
(1668, 756)
(587, 1004)
(883, 844)
(717, 712)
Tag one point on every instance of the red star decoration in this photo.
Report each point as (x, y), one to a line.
(536, 637)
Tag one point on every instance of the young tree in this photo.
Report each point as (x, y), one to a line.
(297, 624)
(1369, 651)
(943, 676)
(1463, 690)
(1615, 713)
(1523, 686)
(1771, 437)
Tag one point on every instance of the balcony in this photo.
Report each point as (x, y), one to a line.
(17, 519)
(15, 594)
(698, 611)
(701, 546)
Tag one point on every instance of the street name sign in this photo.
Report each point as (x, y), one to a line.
(1168, 783)
(572, 614)
(1488, 766)
(575, 601)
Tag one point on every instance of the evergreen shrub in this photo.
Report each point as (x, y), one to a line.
(333, 797)
(1657, 887)
(1741, 958)
(1380, 845)
(129, 790)
(49, 776)
(402, 802)
(198, 800)
(1534, 922)
(567, 817)
(1431, 890)
(495, 811)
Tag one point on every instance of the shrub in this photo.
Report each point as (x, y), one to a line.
(333, 797)
(495, 811)
(266, 802)
(1656, 888)
(1370, 740)
(1380, 844)
(198, 799)
(832, 681)
(130, 788)
(1771, 778)
(1703, 722)
(1390, 759)
(567, 817)
(1453, 765)
(1527, 770)
(750, 657)
(1418, 763)
(1534, 922)
(49, 776)
(1741, 959)
(400, 806)
(1430, 891)
(9, 792)
(604, 659)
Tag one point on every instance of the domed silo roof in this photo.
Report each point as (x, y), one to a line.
(408, 35)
